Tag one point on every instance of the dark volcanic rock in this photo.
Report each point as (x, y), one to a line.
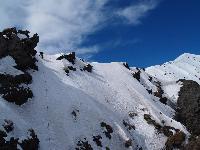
(31, 143)
(97, 140)
(88, 68)
(83, 145)
(108, 129)
(159, 93)
(9, 145)
(71, 57)
(136, 75)
(8, 125)
(188, 106)
(21, 50)
(9, 80)
(3, 46)
(149, 120)
(192, 145)
(126, 65)
(12, 91)
(128, 143)
(128, 125)
(175, 141)
(71, 68)
(17, 95)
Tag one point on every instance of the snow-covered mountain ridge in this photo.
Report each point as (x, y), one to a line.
(73, 104)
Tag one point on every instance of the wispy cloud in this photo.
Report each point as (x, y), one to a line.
(133, 14)
(64, 24)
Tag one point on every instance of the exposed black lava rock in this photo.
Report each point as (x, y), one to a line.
(193, 144)
(71, 57)
(97, 140)
(3, 133)
(71, 68)
(166, 130)
(149, 120)
(83, 145)
(163, 100)
(132, 114)
(6, 79)
(107, 148)
(75, 113)
(126, 65)
(88, 68)
(26, 32)
(175, 141)
(12, 91)
(21, 50)
(136, 75)
(128, 125)
(8, 125)
(188, 106)
(128, 143)
(18, 95)
(150, 78)
(108, 129)
(66, 71)
(149, 91)
(8, 144)
(159, 93)
(42, 55)
(32, 143)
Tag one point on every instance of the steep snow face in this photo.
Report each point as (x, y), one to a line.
(186, 66)
(106, 106)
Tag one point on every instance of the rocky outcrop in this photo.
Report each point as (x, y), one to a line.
(175, 141)
(11, 88)
(88, 68)
(126, 65)
(71, 57)
(159, 93)
(13, 143)
(193, 144)
(188, 111)
(31, 143)
(188, 106)
(136, 75)
(108, 130)
(20, 49)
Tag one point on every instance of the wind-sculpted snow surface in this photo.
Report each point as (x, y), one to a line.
(78, 105)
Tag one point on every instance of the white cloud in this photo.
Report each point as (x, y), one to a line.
(63, 24)
(134, 13)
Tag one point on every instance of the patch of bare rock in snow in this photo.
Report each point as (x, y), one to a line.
(61, 102)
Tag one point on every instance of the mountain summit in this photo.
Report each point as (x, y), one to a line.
(61, 102)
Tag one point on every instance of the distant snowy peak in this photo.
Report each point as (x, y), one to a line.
(186, 66)
(188, 56)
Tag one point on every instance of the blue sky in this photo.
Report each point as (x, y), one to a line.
(169, 30)
(140, 32)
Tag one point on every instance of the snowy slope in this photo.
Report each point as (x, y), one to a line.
(69, 108)
(186, 66)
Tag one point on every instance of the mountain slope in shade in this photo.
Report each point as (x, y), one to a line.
(81, 105)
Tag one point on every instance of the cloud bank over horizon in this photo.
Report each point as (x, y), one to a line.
(63, 25)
